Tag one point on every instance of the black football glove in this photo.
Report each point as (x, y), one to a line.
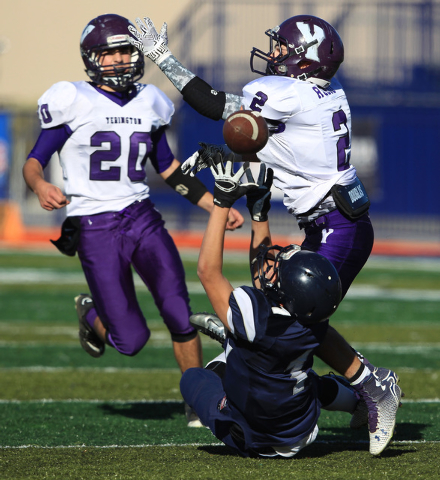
(227, 188)
(258, 199)
(203, 158)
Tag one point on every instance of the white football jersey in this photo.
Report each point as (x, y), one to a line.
(103, 160)
(310, 152)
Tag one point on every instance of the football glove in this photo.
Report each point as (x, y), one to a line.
(203, 158)
(227, 187)
(258, 199)
(152, 44)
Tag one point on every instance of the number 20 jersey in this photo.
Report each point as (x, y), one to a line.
(310, 149)
(104, 157)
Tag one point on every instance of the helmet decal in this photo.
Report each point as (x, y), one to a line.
(86, 31)
(315, 38)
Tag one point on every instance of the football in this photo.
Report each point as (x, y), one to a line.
(245, 132)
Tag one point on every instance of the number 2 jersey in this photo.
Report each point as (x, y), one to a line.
(309, 149)
(103, 140)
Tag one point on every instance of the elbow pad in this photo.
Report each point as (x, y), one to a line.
(204, 99)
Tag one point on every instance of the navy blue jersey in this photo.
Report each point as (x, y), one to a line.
(267, 379)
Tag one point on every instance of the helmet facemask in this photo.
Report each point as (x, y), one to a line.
(119, 76)
(266, 266)
(276, 62)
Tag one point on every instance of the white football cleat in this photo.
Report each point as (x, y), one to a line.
(381, 396)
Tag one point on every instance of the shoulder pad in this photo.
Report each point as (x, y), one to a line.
(54, 106)
(274, 96)
(161, 105)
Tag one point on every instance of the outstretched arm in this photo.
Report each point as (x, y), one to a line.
(258, 204)
(210, 264)
(227, 190)
(196, 92)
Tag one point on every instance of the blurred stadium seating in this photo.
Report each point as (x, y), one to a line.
(391, 74)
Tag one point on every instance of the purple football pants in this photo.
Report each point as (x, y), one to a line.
(346, 243)
(113, 242)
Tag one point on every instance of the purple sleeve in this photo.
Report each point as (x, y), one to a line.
(51, 140)
(161, 156)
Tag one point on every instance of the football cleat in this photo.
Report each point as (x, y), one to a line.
(209, 324)
(192, 417)
(360, 415)
(88, 338)
(381, 396)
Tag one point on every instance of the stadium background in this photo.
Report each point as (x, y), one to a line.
(391, 74)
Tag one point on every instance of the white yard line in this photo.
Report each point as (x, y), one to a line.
(153, 402)
(167, 445)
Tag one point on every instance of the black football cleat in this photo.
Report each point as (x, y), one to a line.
(88, 338)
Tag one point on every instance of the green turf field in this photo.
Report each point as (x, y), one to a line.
(66, 415)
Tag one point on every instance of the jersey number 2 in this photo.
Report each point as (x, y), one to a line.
(343, 145)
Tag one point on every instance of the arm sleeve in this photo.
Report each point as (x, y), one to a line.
(49, 141)
(161, 156)
(197, 93)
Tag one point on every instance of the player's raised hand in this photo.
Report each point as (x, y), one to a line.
(258, 199)
(152, 44)
(194, 164)
(227, 188)
(203, 158)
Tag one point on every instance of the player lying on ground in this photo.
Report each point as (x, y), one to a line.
(266, 400)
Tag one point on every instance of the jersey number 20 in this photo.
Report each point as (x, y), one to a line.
(111, 155)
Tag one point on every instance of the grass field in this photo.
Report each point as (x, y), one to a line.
(67, 415)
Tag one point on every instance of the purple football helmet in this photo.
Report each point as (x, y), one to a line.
(314, 50)
(104, 33)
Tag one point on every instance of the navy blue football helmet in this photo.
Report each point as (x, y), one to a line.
(314, 50)
(104, 33)
(305, 283)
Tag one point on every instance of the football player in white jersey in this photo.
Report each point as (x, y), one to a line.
(104, 131)
(308, 149)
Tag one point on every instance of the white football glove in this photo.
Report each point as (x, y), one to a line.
(194, 164)
(152, 44)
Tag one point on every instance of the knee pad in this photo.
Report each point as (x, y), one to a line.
(183, 337)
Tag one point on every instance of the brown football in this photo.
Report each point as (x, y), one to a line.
(245, 131)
